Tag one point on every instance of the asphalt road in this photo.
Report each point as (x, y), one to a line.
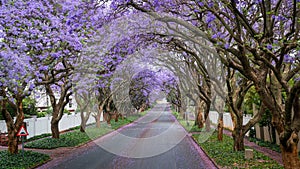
(155, 141)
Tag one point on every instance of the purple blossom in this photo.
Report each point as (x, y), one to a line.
(201, 3)
(269, 46)
(31, 87)
(226, 46)
(210, 17)
(210, 4)
(288, 59)
(43, 68)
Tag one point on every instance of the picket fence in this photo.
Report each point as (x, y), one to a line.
(37, 126)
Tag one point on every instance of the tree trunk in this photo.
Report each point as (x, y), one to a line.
(182, 109)
(12, 142)
(238, 139)
(290, 152)
(237, 133)
(108, 118)
(82, 126)
(199, 121)
(220, 127)
(13, 128)
(206, 118)
(84, 119)
(54, 129)
(98, 120)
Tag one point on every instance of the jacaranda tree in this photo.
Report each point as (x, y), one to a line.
(38, 39)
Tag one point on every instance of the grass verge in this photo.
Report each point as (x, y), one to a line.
(76, 138)
(187, 124)
(223, 154)
(30, 160)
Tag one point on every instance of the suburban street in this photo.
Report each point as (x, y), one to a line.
(151, 84)
(155, 141)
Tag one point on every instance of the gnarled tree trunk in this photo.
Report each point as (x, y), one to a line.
(238, 139)
(289, 151)
(199, 120)
(54, 128)
(12, 142)
(84, 103)
(13, 127)
(199, 116)
(97, 117)
(56, 117)
(206, 116)
(84, 119)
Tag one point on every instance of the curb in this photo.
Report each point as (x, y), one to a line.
(212, 160)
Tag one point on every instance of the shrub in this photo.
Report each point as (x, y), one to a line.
(67, 112)
(26, 116)
(49, 110)
(41, 114)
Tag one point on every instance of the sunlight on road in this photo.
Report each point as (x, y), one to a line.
(154, 134)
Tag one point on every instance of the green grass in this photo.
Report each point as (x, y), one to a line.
(187, 124)
(30, 160)
(144, 112)
(76, 138)
(120, 123)
(66, 140)
(38, 137)
(224, 156)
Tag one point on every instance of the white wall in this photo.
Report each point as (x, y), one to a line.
(38, 126)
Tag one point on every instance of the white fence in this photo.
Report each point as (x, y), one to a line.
(214, 116)
(38, 126)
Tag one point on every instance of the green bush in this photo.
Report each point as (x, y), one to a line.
(29, 106)
(30, 160)
(67, 112)
(49, 110)
(27, 116)
(41, 114)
